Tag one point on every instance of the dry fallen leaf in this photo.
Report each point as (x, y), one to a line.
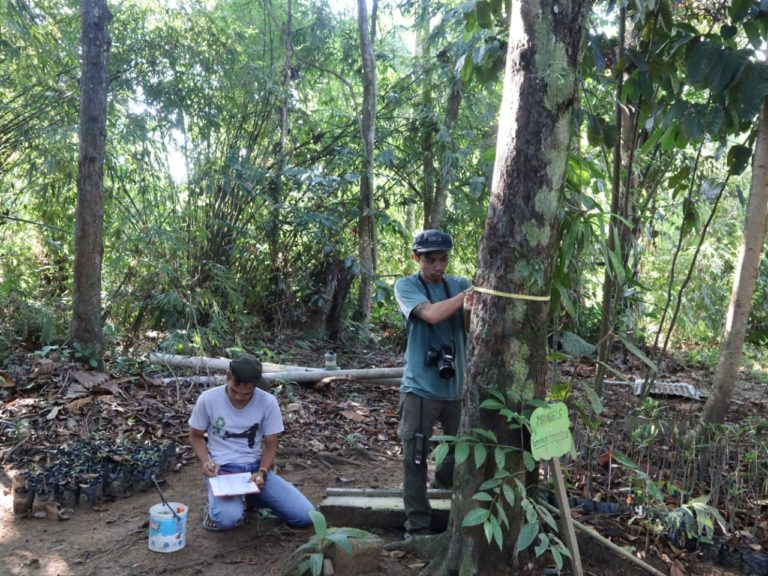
(44, 366)
(352, 415)
(76, 405)
(89, 379)
(6, 380)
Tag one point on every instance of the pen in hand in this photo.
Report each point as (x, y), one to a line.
(210, 469)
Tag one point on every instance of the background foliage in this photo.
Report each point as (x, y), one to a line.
(193, 126)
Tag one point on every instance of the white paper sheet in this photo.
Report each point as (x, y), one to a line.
(232, 484)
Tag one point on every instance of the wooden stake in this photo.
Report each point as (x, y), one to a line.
(566, 522)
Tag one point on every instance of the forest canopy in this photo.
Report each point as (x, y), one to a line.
(234, 160)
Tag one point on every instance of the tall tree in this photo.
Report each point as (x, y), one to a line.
(426, 113)
(366, 224)
(508, 351)
(276, 184)
(744, 280)
(89, 226)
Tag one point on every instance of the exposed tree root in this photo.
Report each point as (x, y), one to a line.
(432, 548)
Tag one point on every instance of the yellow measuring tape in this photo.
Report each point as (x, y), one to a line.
(509, 295)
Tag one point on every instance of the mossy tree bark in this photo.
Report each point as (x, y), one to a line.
(508, 347)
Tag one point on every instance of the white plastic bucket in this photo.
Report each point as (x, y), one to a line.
(167, 532)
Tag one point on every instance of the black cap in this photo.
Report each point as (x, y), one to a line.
(432, 241)
(247, 369)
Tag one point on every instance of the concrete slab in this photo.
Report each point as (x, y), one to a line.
(378, 511)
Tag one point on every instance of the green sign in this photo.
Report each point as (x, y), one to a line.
(551, 436)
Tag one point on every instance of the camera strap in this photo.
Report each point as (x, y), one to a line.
(429, 297)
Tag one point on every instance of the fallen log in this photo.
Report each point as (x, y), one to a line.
(278, 372)
(353, 374)
(219, 364)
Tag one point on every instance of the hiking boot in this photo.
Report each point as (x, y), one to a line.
(416, 532)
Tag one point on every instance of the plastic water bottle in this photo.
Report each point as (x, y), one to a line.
(330, 361)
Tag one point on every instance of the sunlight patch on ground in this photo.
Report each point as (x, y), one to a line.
(49, 565)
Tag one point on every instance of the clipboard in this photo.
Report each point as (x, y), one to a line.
(235, 484)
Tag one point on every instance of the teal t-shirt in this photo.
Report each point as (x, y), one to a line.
(418, 377)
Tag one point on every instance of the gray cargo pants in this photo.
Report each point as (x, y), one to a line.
(419, 414)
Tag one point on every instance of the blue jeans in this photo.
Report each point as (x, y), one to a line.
(277, 494)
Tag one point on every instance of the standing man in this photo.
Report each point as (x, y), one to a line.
(237, 417)
(437, 309)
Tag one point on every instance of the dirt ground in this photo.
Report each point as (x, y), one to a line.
(112, 539)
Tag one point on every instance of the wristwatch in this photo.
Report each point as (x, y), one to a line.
(264, 473)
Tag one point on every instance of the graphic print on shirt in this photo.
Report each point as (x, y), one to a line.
(250, 433)
(218, 426)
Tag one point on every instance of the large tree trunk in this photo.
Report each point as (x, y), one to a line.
(744, 280)
(366, 224)
(89, 245)
(508, 348)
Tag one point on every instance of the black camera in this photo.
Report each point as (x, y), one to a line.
(444, 359)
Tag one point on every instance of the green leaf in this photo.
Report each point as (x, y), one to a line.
(576, 346)
(753, 92)
(738, 159)
(482, 497)
(488, 434)
(528, 460)
(739, 9)
(752, 30)
(594, 400)
(500, 458)
(509, 494)
(462, 452)
(557, 557)
(528, 533)
(441, 452)
(501, 513)
(318, 521)
(547, 517)
(489, 155)
(498, 395)
(617, 269)
(490, 484)
(342, 541)
(484, 17)
(466, 70)
(542, 546)
(316, 563)
(475, 517)
(497, 534)
(492, 405)
(622, 459)
(594, 130)
(638, 353)
(701, 56)
(488, 531)
(538, 403)
(480, 455)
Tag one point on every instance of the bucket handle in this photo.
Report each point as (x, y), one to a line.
(157, 487)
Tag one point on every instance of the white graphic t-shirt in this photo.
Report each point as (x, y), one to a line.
(234, 434)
